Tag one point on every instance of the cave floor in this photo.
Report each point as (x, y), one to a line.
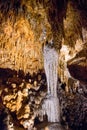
(50, 126)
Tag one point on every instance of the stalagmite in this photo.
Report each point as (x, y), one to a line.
(51, 103)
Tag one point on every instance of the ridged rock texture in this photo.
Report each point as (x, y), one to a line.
(25, 27)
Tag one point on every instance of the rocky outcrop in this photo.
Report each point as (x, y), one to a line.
(73, 107)
(22, 96)
(78, 65)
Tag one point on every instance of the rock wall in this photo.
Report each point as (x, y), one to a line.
(22, 95)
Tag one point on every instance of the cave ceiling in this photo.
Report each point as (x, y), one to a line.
(25, 25)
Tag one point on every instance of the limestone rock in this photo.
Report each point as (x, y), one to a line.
(23, 99)
(78, 65)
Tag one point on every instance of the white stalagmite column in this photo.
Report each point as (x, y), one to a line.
(51, 103)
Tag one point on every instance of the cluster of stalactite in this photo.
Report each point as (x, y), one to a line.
(28, 24)
(17, 46)
(56, 11)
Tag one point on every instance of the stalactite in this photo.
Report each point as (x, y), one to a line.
(50, 106)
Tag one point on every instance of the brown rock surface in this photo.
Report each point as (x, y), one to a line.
(22, 98)
(78, 65)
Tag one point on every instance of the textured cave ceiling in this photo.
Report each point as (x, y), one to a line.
(26, 24)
